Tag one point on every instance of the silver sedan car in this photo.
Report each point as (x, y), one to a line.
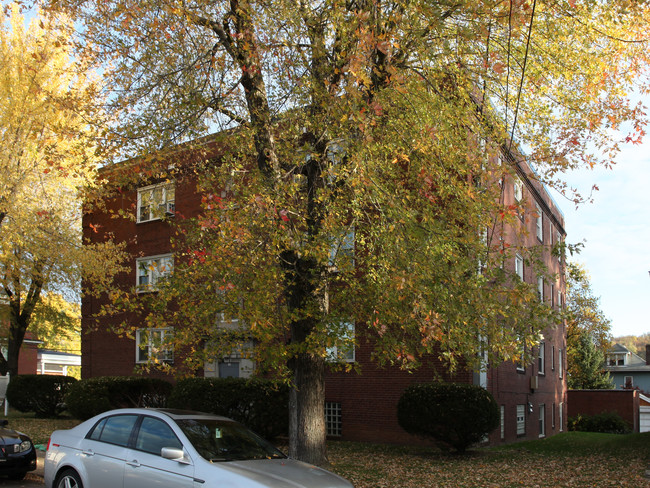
(147, 448)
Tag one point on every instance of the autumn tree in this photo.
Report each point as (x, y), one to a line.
(582, 308)
(57, 322)
(588, 332)
(48, 155)
(362, 166)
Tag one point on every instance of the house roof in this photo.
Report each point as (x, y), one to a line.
(618, 348)
(634, 361)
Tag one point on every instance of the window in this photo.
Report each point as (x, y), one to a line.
(540, 359)
(559, 298)
(333, 423)
(552, 358)
(156, 202)
(539, 222)
(153, 345)
(540, 288)
(553, 416)
(342, 251)
(552, 295)
(344, 332)
(519, 266)
(503, 422)
(520, 362)
(114, 430)
(560, 364)
(628, 382)
(154, 434)
(152, 269)
(542, 420)
(521, 420)
(518, 188)
(561, 416)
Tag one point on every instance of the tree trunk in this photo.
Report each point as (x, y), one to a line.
(307, 401)
(307, 409)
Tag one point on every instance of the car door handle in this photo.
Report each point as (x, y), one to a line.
(88, 452)
(133, 463)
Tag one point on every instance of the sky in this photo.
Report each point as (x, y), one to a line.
(615, 229)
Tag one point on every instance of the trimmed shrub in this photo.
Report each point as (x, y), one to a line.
(605, 423)
(261, 405)
(96, 395)
(42, 394)
(454, 415)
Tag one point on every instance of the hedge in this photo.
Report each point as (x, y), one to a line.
(454, 415)
(92, 396)
(42, 394)
(262, 405)
(606, 423)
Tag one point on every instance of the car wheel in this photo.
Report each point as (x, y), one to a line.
(17, 476)
(68, 479)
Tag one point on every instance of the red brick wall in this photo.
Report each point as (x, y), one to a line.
(28, 359)
(369, 399)
(592, 402)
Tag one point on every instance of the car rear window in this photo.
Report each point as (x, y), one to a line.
(114, 430)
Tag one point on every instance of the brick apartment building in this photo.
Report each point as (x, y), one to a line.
(362, 407)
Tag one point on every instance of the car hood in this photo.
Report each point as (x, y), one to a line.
(274, 473)
(10, 436)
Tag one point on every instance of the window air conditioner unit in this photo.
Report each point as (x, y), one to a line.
(534, 382)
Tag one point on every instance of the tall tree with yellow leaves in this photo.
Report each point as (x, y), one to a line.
(49, 122)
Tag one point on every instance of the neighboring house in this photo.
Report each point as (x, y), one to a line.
(531, 398)
(627, 369)
(56, 362)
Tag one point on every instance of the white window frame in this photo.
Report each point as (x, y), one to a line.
(156, 201)
(561, 416)
(552, 358)
(519, 266)
(541, 360)
(553, 416)
(154, 350)
(560, 364)
(521, 420)
(542, 420)
(344, 354)
(552, 295)
(520, 365)
(518, 189)
(540, 222)
(540, 288)
(151, 269)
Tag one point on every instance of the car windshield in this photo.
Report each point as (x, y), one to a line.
(218, 440)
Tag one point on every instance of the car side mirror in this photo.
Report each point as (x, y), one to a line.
(174, 454)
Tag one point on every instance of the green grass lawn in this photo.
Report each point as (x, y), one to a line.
(572, 459)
